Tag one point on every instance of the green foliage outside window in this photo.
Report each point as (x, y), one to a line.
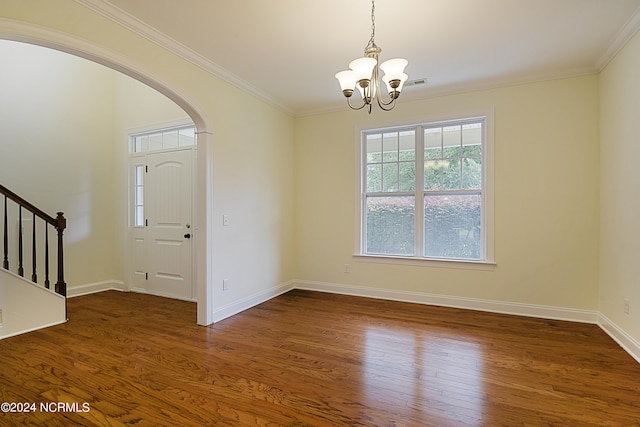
(452, 192)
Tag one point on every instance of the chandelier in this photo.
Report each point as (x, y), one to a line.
(364, 74)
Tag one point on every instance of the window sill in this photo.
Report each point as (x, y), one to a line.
(425, 262)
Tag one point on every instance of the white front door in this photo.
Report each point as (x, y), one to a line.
(162, 246)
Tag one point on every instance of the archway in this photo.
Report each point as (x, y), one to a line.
(20, 32)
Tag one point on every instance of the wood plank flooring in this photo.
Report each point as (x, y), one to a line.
(313, 359)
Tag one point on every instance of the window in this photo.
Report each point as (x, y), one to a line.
(425, 192)
(143, 144)
(164, 139)
(138, 195)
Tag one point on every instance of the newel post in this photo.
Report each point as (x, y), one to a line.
(5, 261)
(61, 286)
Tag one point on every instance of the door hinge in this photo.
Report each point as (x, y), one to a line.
(146, 222)
(146, 276)
(146, 169)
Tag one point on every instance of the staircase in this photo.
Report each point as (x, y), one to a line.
(26, 304)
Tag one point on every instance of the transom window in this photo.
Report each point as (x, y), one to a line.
(164, 139)
(424, 191)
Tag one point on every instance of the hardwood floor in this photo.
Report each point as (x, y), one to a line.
(313, 359)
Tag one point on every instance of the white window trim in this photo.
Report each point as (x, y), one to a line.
(133, 158)
(488, 263)
(164, 126)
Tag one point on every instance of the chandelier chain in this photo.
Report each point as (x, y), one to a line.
(373, 23)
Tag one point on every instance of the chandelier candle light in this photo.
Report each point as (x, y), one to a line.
(365, 74)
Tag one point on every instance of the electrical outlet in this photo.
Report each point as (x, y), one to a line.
(626, 305)
(347, 268)
(225, 284)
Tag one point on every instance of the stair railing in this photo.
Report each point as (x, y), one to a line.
(59, 223)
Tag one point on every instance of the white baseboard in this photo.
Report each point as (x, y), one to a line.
(250, 301)
(92, 288)
(623, 339)
(24, 331)
(519, 309)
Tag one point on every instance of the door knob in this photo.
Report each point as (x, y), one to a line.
(187, 236)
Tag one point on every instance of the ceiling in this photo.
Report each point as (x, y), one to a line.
(287, 51)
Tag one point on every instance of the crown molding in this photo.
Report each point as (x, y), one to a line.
(625, 34)
(128, 21)
(434, 91)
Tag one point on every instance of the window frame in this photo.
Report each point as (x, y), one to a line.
(486, 261)
(162, 136)
(138, 158)
(138, 199)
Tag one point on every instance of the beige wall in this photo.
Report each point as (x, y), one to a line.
(620, 202)
(25, 306)
(56, 134)
(546, 197)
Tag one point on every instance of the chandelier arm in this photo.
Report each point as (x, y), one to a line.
(391, 101)
(382, 105)
(364, 104)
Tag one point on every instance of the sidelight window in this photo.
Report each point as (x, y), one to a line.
(138, 195)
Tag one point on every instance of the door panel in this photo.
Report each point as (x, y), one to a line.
(162, 252)
(170, 202)
(139, 262)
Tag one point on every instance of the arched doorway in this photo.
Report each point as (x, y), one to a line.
(15, 31)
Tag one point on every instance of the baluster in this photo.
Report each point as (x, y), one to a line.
(60, 223)
(46, 255)
(34, 276)
(5, 262)
(20, 269)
